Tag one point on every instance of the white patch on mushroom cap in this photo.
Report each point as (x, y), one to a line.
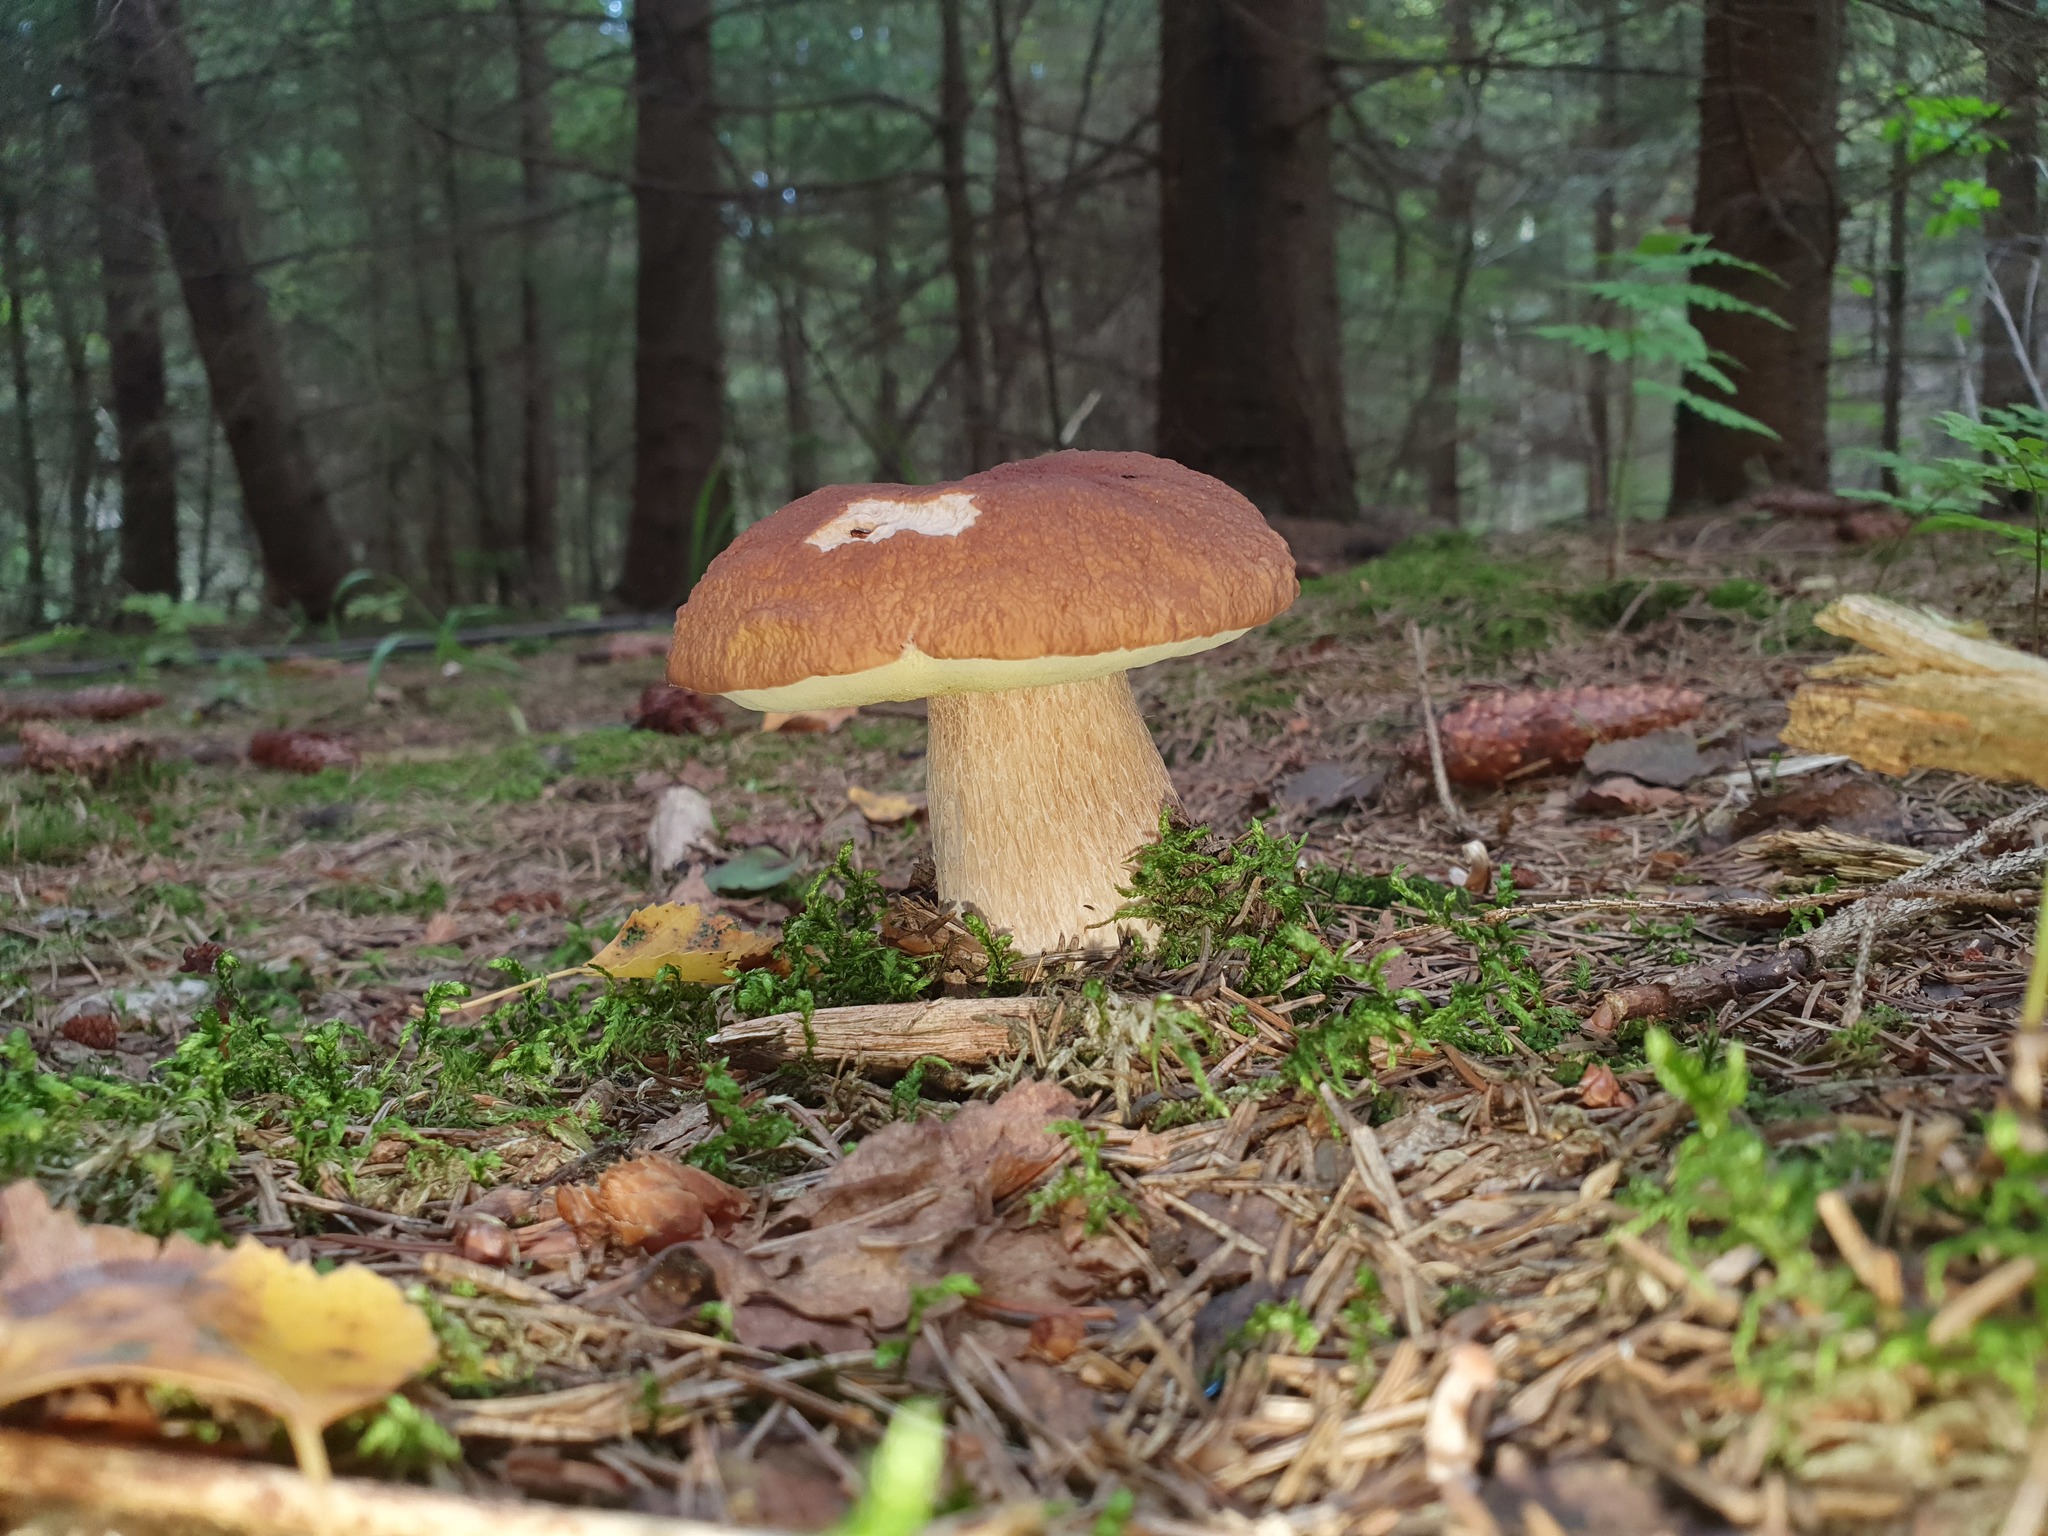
(869, 522)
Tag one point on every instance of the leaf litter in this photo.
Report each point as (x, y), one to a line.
(1269, 1311)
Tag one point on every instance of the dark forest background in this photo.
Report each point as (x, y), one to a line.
(528, 303)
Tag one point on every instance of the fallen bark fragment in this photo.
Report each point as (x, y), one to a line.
(892, 1036)
(302, 751)
(45, 749)
(108, 701)
(1699, 986)
(1932, 696)
(1492, 739)
(41, 1471)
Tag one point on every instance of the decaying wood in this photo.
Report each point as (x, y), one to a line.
(46, 1471)
(1700, 986)
(892, 1036)
(1926, 695)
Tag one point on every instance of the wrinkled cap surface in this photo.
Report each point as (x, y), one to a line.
(1056, 569)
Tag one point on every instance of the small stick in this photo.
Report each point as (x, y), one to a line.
(1964, 1311)
(1460, 822)
(1877, 1268)
(1859, 978)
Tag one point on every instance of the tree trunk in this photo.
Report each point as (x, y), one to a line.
(2012, 230)
(969, 367)
(27, 466)
(678, 363)
(1438, 436)
(885, 336)
(1599, 370)
(539, 478)
(494, 556)
(1250, 382)
(303, 552)
(792, 352)
(1027, 210)
(1766, 192)
(126, 218)
(438, 538)
(1899, 182)
(83, 469)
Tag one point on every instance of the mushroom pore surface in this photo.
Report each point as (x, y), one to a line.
(1039, 796)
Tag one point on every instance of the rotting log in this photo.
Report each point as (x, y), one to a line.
(1927, 694)
(963, 1031)
(153, 1488)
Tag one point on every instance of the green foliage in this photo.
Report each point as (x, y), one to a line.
(742, 1128)
(1641, 602)
(2006, 466)
(404, 1438)
(890, 1354)
(1653, 299)
(1084, 1179)
(903, 1479)
(1938, 127)
(1365, 1319)
(1115, 1515)
(1738, 594)
(1450, 578)
(834, 951)
(1284, 1322)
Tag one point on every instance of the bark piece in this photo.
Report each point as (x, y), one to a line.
(892, 1036)
(107, 701)
(1932, 697)
(1490, 739)
(676, 712)
(1664, 757)
(302, 751)
(45, 749)
(1697, 987)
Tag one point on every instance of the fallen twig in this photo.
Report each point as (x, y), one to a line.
(892, 1036)
(1460, 822)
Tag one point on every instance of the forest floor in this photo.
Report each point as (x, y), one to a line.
(1265, 1236)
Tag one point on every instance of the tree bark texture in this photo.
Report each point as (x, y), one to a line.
(28, 468)
(1438, 434)
(678, 365)
(1899, 182)
(2012, 230)
(1599, 369)
(82, 469)
(970, 368)
(1766, 192)
(495, 556)
(539, 478)
(1250, 384)
(125, 218)
(304, 554)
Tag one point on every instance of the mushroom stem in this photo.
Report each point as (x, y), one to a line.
(1038, 798)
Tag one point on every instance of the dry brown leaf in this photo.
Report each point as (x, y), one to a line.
(441, 929)
(651, 1203)
(1490, 739)
(1621, 796)
(807, 721)
(912, 1203)
(92, 1305)
(885, 809)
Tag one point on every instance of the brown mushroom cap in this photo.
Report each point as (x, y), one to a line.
(1051, 570)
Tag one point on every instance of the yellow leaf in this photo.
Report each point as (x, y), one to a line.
(90, 1305)
(702, 949)
(885, 809)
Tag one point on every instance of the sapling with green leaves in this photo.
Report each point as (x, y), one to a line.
(1652, 293)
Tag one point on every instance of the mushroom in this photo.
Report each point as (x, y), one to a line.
(1015, 600)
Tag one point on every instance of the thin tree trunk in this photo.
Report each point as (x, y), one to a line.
(1899, 183)
(885, 337)
(27, 464)
(792, 351)
(1251, 387)
(540, 480)
(494, 557)
(597, 358)
(1766, 192)
(204, 576)
(83, 468)
(304, 554)
(1439, 436)
(126, 218)
(1599, 371)
(678, 363)
(2012, 229)
(438, 553)
(970, 367)
(1027, 209)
